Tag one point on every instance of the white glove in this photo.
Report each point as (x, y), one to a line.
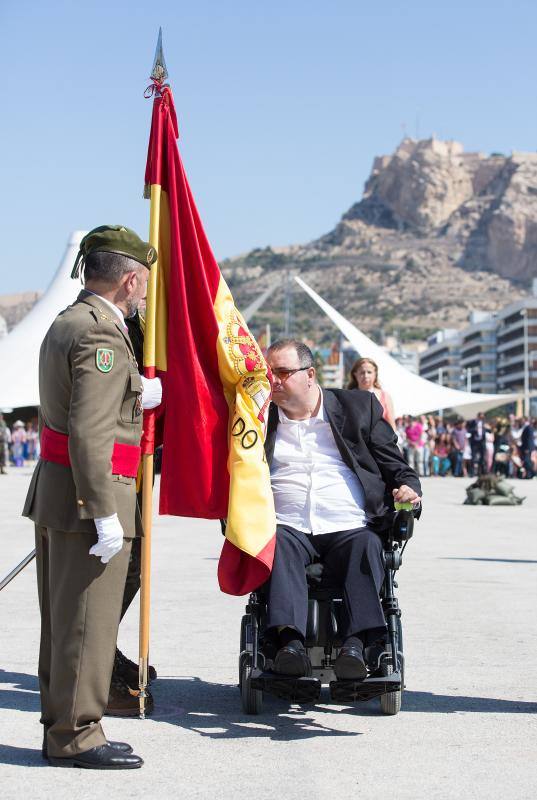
(151, 392)
(110, 535)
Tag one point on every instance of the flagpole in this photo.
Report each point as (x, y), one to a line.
(148, 458)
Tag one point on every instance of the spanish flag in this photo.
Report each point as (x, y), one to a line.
(216, 384)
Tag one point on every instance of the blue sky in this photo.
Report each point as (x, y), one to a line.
(282, 107)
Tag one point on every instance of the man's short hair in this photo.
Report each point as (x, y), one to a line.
(305, 356)
(108, 267)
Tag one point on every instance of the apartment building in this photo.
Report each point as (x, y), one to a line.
(496, 352)
(517, 346)
(478, 353)
(441, 361)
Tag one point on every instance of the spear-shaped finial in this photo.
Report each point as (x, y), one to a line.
(159, 73)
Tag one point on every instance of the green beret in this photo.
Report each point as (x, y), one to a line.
(114, 239)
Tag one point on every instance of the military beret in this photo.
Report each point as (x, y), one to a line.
(114, 239)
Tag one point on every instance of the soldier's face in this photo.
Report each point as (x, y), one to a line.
(136, 288)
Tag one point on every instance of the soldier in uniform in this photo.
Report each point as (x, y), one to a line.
(82, 497)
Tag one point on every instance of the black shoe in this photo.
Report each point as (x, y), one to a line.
(292, 660)
(128, 670)
(123, 747)
(103, 757)
(350, 664)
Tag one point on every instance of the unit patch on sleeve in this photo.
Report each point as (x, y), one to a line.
(104, 359)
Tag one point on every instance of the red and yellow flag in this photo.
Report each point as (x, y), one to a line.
(216, 385)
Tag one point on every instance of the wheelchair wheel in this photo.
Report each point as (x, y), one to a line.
(251, 699)
(390, 703)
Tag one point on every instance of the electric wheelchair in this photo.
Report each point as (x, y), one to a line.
(384, 658)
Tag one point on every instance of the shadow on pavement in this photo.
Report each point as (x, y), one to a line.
(21, 756)
(498, 560)
(214, 710)
(449, 704)
(23, 694)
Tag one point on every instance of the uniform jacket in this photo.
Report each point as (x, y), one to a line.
(367, 444)
(95, 409)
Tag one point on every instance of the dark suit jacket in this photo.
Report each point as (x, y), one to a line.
(527, 438)
(367, 444)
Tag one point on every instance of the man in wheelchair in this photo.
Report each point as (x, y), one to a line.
(335, 472)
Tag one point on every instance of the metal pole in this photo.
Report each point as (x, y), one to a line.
(287, 305)
(14, 572)
(441, 383)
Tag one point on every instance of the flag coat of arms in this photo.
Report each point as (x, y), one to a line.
(216, 384)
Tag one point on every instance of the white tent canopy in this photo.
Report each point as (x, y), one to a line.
(410, 393)
(19, 350)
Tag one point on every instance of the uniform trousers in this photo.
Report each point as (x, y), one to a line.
(352, 561)
(80, 600)
(132, 583)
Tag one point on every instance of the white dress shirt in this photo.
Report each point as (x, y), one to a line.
(314, 490)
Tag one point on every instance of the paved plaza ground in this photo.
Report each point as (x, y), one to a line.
(468, 590)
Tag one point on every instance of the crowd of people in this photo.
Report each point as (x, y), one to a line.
(500, 445)
(436, 447)
(18, 445)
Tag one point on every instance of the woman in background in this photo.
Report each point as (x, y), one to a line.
(18, 440)
(441, 461)
(365, 376)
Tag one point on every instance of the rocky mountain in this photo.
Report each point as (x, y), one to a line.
(438, 232)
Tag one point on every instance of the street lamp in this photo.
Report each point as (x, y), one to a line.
(524, 315)
(466, 373)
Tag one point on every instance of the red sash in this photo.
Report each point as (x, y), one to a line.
(55, 448)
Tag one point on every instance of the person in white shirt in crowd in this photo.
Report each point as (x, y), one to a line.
(335, 472)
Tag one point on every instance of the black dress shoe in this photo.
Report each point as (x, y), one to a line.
(103, 757)
(350, 664)
(292, 660)
(123, 747)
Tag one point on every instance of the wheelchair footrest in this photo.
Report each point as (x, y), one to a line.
(367, 689)
(296, 690)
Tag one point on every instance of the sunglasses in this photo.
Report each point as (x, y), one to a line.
(283, 373)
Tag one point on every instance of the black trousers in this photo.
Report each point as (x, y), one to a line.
(528, 463)
(479, 456)
(352, 560)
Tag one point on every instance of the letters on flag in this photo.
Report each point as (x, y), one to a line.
(215, 380)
